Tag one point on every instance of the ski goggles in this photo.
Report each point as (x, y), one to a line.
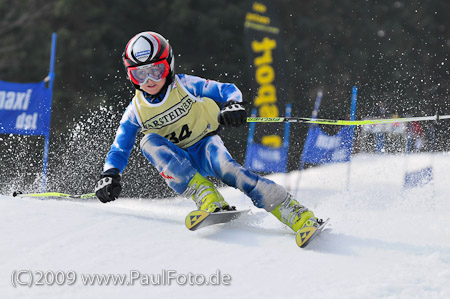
(155, 71)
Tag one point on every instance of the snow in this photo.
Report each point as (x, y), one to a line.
(384, 242)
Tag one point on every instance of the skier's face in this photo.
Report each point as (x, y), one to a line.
(152, 87)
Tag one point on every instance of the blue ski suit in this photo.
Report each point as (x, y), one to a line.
(180, 139)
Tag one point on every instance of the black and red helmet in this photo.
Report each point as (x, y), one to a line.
(148, 55)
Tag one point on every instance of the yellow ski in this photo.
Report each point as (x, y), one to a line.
(307, 233)
(194, 218)
(198, 219)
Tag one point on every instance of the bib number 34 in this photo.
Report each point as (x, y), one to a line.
(185, 133)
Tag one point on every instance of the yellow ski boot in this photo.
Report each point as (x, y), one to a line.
(296, 216)
(205, 195)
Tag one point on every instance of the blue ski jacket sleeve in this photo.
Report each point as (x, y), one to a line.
(125, 139)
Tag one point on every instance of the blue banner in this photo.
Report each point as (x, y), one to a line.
(266, 159)
(418, 178)
(25, 108)
(322, 148)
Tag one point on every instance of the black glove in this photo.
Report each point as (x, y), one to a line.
(233, 114)
(108, 188)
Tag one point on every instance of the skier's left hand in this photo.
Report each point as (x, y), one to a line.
(233, 114)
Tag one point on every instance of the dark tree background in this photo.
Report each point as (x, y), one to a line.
(396, 52)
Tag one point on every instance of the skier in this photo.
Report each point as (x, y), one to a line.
(179, 116)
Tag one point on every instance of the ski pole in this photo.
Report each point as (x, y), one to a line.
(344, 122)
(54, 195)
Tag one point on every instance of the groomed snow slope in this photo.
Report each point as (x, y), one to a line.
(384, 242)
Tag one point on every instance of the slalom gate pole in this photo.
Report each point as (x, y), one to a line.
(51, 76)
(302, 163)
